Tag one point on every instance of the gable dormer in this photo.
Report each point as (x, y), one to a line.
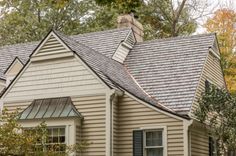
(52, 47)
(13, 69)
(124, 48)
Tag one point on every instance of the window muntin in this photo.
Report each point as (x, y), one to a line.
(153, 142)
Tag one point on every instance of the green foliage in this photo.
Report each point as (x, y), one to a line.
(123, 6)
(158, 19)
(30, 20)
(16, 140)
(217, 110)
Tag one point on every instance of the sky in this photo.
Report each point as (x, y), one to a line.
(213, 5)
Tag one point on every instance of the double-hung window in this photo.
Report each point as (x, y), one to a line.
(56, 138)
(153, 142)
(150, 141)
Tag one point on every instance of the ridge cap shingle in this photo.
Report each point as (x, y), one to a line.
(101, 32)
(177, 38)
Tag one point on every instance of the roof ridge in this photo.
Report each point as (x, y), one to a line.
(177, 37)
(97, 32)
(71, 36)
(19, 44)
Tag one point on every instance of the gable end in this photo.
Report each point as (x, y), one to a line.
(52, 47)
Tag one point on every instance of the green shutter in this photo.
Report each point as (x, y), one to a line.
(137, 143)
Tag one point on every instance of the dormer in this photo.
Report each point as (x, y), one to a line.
(124, 48)
(13, 70)
(135, 35)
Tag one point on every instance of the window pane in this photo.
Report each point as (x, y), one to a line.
(62, 139)
(49, 131)
(154, 138)
(55, 139)
(154, 152)
(55, 132)
(62, 131)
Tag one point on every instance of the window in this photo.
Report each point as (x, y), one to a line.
(153, 143)
(56, 138)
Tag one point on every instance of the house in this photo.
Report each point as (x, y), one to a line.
(126, 96)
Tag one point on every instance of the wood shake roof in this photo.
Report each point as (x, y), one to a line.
(163, 73)
(169, 69)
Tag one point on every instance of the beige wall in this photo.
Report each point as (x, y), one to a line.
(92, 109)
(2, 85)
(54, 78)
(59, 78)
(199, 141)
(198, 136)
(133, 115)
(14, 69)
(212, 72)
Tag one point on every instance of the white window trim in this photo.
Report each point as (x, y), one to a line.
(164, 137)
(53, 127)
(69, 124)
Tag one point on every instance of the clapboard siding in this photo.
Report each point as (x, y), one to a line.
(211, 71)
(199, 142)
(51, 46)
(133, 115)
(14, 69)
(13, 107)
(65, 77)
(92, 109)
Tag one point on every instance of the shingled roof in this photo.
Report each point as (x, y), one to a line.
(95, 40)
(164, 73)
(169, 69)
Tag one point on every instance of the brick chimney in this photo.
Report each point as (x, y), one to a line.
(128, 20)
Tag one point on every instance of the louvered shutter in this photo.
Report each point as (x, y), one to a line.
(138, 143)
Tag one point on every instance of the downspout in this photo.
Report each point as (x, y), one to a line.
(111, 100)
(186, 137)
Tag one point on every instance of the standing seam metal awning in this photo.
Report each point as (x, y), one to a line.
(50, 108)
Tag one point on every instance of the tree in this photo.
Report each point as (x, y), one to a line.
(217, 111)
(164, 18)
(15, 140)
(123, 6)
(223, 23)
(30, 20)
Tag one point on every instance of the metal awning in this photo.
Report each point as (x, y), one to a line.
(50, 108)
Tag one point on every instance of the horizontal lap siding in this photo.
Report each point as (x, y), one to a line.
(133, 115)
(20, 106)
(199, 142)
(92, 109)
(212, 71)
(62, 77)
